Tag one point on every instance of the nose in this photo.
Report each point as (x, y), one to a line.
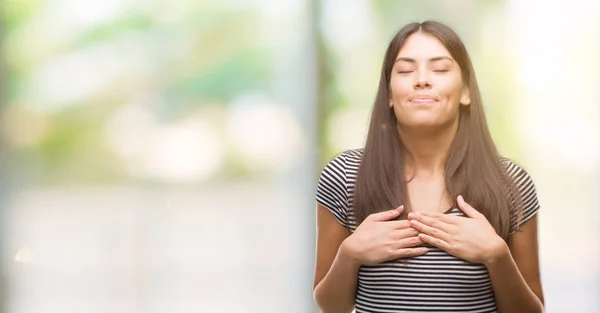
(422, 81)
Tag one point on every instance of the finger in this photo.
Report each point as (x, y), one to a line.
(409, 242)
(404, 233)
(410, 252)
(431, 231)
(435, 223)
(437, 242)
(467, 208)
(398, 224)
(386, 215)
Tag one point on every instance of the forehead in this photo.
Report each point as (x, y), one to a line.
(422, 46)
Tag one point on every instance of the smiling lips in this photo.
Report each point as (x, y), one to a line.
(422, 99)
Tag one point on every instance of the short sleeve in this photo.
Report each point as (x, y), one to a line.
(331, 189)
(527, 191)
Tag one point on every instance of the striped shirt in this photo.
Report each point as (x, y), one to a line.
(433, 282)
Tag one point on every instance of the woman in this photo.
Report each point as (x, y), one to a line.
(427, 217)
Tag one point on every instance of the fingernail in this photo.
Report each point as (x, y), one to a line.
(460, 198)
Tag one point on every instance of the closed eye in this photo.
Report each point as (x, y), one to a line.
(441, 71)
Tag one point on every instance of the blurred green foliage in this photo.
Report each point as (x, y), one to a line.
(208, 56)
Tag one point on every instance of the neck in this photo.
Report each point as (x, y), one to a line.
(426, 152)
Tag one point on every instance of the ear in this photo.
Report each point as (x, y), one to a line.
(391, 103)
(465, 97)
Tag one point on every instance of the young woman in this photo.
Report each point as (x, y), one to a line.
(427, 217)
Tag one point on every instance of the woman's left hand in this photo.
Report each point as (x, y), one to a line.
(471, 238)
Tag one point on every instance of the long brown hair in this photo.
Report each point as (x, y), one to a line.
(473, 167)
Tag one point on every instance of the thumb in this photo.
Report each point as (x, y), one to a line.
(467, 208)
(387, 215)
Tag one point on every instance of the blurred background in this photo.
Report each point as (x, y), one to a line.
(162, 156)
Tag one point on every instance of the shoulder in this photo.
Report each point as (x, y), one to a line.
(335, 184)
(353, 158)
(518, 173)
(342, 169)
(353, 155)
(528, 205)
(346, 159)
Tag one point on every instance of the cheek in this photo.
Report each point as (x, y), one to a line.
(399, 88)
(450, 91)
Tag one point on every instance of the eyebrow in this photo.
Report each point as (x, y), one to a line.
(411, 60)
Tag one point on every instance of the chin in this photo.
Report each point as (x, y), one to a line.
(422, 121)
(427, 120)
(425, 124)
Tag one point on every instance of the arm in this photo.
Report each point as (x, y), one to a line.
(335, 273)
(515, 273)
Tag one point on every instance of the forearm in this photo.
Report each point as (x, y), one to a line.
(511, 291)
(336, 292)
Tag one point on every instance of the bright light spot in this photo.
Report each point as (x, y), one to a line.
(81, 14)
(558, 114)
(73, 77)
(347, 24)
(183, 151)
(24, 255)
(265, 133)
(279, 10)
(570, 144)
(128, 129)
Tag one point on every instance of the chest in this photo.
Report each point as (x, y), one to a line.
(428, 195)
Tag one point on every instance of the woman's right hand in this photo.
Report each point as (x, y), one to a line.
(378, 239)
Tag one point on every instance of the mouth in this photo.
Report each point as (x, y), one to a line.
(423, 99)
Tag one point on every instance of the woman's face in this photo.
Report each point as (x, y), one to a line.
(426, 87)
